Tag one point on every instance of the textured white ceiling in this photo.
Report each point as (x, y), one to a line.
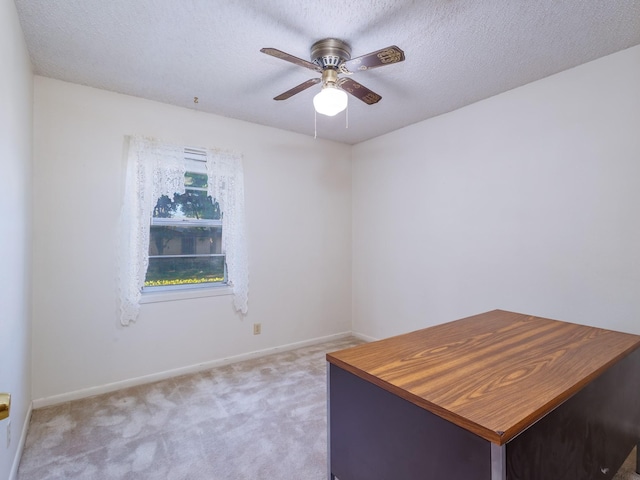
(457, 51)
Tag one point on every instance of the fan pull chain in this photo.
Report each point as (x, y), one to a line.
(315, 124)
(346, 121)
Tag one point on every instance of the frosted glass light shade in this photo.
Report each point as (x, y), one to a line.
(330, 101)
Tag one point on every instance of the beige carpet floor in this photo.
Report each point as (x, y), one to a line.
(254, 420)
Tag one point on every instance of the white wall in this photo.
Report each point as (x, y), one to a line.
(16, 98)
(528, 201)
(298, 204)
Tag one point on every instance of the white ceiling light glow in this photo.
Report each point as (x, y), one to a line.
(330, 101)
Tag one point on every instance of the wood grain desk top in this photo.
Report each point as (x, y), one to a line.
(495, 373)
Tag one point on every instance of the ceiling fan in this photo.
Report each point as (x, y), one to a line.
(332, 57)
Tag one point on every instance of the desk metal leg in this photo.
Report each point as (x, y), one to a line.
(331, 475)
(498, 462)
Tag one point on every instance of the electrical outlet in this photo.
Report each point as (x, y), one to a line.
(8, 433)
(257, 328)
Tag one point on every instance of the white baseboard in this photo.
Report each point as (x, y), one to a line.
(132, 382)
(13, 474)
(364, 337)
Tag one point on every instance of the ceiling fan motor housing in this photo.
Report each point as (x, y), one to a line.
(330, 53)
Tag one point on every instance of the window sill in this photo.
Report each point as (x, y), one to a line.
(185, 294)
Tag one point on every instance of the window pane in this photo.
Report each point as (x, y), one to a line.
(191, 204)
(165, 240)
(195, 180)
(184, 271)
(197, 204)
(181, 252)
(165, 208)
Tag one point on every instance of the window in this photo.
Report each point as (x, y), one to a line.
(182, 223)
(185, 240)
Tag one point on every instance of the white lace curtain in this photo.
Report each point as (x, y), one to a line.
(155, 169)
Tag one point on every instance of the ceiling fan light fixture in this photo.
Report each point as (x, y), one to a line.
(332, 57)
(330, 101)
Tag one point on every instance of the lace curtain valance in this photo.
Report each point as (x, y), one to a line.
(155, 169)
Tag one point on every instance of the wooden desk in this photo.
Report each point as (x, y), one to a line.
(495, 396)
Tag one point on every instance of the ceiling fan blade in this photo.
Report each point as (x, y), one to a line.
(379, 58)
(359, 91)
(274, 52)
(298, 89)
